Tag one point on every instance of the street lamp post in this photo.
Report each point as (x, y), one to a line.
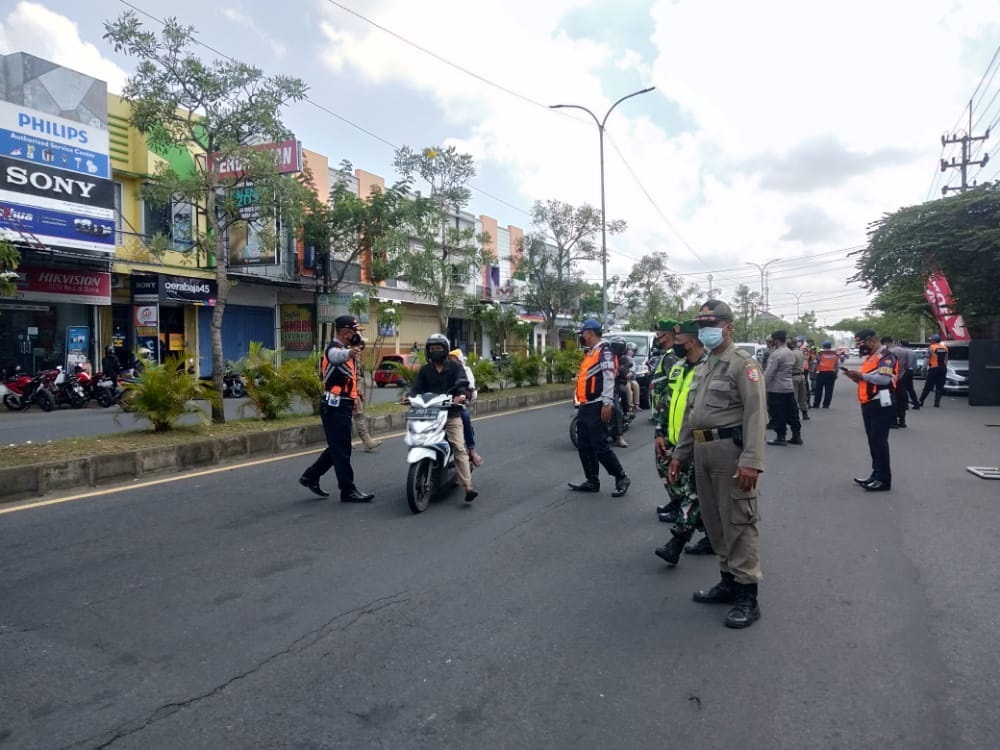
(798, 297)
(762, 269)
(604, 221)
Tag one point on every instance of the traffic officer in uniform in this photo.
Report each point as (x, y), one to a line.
(683, 497)
(658, 397)
(723, 433)
(827, 362)
(875, 381)
(595, 396)
(937, 370)
(339, 370)
(800, 374)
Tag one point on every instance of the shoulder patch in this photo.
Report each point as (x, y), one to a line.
(753, 374)
(607, 355)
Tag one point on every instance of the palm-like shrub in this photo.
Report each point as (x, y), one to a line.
(304, 378)
(164, 393)
(269, 390)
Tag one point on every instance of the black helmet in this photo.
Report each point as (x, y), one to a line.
(436, 347)
(618, 346)
(110, 350)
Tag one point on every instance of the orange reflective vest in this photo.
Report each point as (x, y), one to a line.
(938, 355)
(827, 361)
(590, 378)
(882, 362)
(343, 381)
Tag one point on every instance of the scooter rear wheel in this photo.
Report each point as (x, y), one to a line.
(572, 430)
(419, 485)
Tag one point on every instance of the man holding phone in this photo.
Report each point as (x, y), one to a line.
(875, 380)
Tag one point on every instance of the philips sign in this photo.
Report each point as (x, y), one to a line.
(53, 128)
(42, 138)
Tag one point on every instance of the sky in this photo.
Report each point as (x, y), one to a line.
(777, 131)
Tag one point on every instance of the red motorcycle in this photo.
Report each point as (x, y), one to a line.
(25, 390)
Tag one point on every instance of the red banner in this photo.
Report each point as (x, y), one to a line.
(938, 294)
(287, 153)
(51, 285)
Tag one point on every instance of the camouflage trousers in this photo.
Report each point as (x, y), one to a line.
(682, 493)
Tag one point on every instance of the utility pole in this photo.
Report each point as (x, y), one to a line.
(711, 289)
(967, 139)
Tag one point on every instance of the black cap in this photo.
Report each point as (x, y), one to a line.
(347, 321)
(864, 334)
(779, 336)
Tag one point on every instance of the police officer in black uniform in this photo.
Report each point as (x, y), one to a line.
(340, 385)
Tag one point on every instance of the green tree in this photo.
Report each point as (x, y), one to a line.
(216, 110)
(958, 236)
(746, 307)
(445, 255)
(9, 259)
(564, 236)
(651, 292)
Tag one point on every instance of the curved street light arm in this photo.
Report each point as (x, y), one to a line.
(627, 96)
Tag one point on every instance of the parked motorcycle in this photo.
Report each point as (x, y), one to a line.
(66, 389)
(234, 385)
(431, 460)
(25, 390)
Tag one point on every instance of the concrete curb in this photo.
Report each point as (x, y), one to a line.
(34, 480)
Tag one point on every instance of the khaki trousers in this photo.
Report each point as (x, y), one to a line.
(455, 433)
(729, 513)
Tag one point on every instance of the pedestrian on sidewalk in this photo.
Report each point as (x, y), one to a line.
(874, 379)
(723, 433)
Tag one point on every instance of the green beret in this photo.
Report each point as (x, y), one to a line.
(687, 326)
(666, 325)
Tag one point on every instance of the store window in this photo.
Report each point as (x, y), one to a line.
(173, 221)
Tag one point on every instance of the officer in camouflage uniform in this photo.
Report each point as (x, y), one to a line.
(668, 427)
(658, 397)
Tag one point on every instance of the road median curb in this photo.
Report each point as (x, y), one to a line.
(35, 480)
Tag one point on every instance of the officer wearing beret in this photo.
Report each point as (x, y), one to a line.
(339, 370)
(723, 432)
(659, 395)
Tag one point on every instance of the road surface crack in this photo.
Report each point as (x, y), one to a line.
(339, 623)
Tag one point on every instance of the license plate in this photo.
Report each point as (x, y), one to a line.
(425, 412)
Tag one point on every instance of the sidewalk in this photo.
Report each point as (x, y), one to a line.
(35, 480)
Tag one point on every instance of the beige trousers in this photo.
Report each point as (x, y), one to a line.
(729, 513)
(456, 436)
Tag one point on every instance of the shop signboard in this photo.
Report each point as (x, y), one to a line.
(77, 346)
(35, 137)
(288, 155)
(147, 331)
(177, 289)
(296, 328)
(38, 284)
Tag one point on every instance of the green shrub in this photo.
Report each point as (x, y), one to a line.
(484, 373)
(524, 370)
(269, 390)
(565, 364)
(304, 378)
(164, 393)
(533, 368)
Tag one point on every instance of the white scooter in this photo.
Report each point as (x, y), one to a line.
(431, 460)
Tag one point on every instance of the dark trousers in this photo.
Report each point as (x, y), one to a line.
(878, 420)
(900, 403)
(592, 444)
(784, 411)
(906, 388)
(470, 434)
(823, 390)
(337, 422)
(935, 380)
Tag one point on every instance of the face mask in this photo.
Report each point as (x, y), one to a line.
(680, 350)
(864, 350)
(582, 341)
(437, 355)
(710, 337)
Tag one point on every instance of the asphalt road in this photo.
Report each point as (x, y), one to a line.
(36, 426)
(230, 609)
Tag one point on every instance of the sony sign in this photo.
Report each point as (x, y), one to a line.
(48, 182)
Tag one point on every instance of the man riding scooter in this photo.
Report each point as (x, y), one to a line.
(440, 375)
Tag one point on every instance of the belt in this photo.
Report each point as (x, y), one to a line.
(707, 436)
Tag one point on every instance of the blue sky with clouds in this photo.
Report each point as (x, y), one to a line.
(778, 129)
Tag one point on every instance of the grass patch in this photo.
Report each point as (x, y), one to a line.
(67, 449)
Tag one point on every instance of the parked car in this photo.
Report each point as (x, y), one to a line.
(754, 350)
(395, 369)
(956, 382)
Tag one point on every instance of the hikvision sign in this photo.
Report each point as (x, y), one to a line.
(80, 287)
(70, 279)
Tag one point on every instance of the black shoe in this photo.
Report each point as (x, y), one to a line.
(796, 440)
(590, 485)
(902, 425)
(915, 407)
(863, 482)
(937, 406)
(702, 547)
(621, 485)
(745, 611)
(826, 406)
(313, 486)
(356, 496)
(894, 427)
(669, 513)
(877, 486)
(470, 495)
(777, 441)
(724, 592)
(805, 416)
(670, 552)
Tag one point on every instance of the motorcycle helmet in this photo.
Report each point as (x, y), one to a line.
(436, 347)
(618, 346)
(631, 348)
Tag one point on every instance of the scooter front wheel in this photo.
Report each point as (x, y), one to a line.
(419, 485)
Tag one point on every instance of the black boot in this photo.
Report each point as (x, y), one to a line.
(779, 440)
(745, 611)
(670, 552)
(669, 513)
(805, 415)
(702, 547)
(724, 592)
(796, 438)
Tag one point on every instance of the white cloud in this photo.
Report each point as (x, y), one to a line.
(241, 18)
(33, 28)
